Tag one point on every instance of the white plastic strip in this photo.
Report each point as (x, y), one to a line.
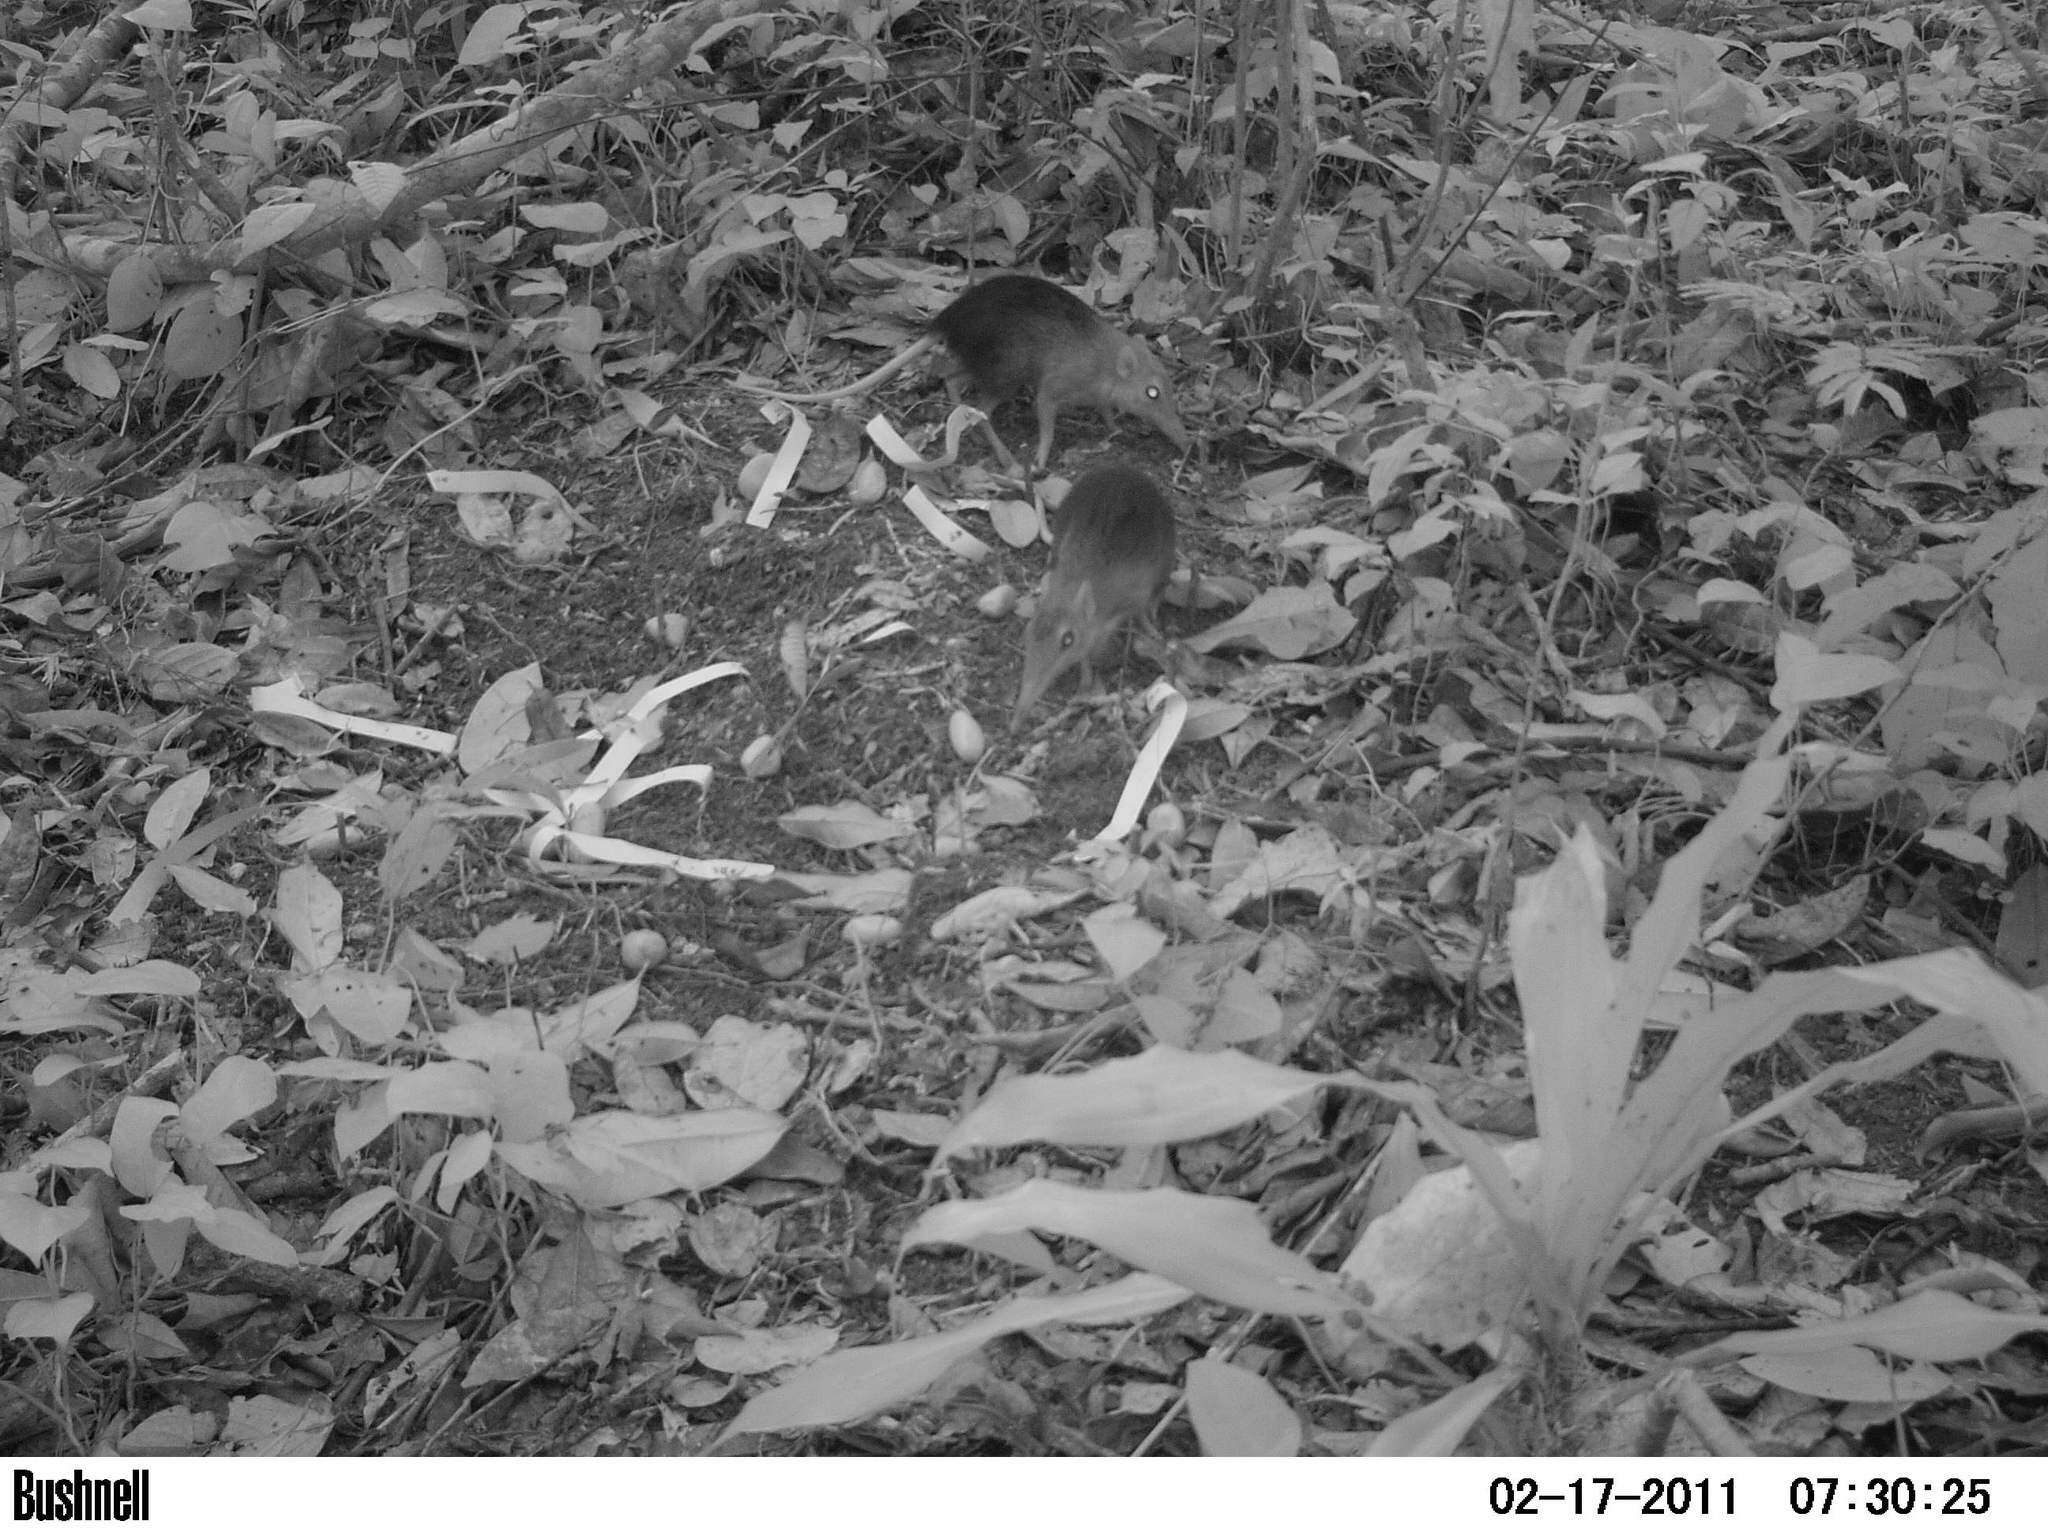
(285, 698)
(1145, 771)
(495, 482)
(641, 729)
(624, 790)
(783, 469)
(553, 836)
(606, 787)
(958, 540)
(883, 434)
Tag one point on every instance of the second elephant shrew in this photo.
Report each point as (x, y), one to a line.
(1014, 334)
(1112, 551)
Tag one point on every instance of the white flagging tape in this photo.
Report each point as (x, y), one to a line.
(606, 787)
(285, 698)
(616, 850)
(958, 540)
(603, 788)
(496, 482)
(640, 730)
(1173, 713)
(883, 434)
(783, 469)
